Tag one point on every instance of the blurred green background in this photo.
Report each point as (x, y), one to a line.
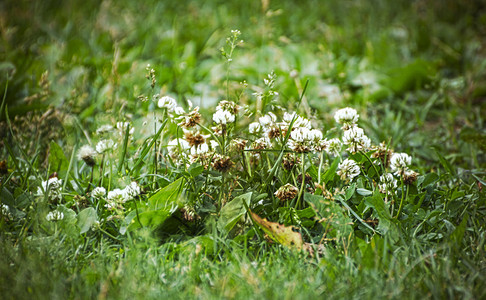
(409, 67)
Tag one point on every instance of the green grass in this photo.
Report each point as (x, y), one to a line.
(414, 71)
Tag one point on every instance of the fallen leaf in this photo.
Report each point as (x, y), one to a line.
(282, 234)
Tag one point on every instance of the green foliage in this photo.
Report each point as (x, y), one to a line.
(174, 204)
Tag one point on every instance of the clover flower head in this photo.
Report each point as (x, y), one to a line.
(105, 145)
(286, 192)
(87, 154)
(131, 191)
(355, 138)
(223, 117)
(103, 129)
(388, 184)
(167, 102)
(348, 117)
(98, 192)
(333, 146)
(229, 106)
(52, 187)
(54, 215)
(5, 211)
(267, 120)
(122, 128)
(199, 149)
(116, 196)
(254, 127)
(348, 169)
(399, 162)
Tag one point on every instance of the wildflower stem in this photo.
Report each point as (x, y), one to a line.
(301, 192)
(369, 160)
(401, 200)
(321, 161)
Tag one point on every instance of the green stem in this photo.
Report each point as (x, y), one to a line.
(401, 200)
(301, 192)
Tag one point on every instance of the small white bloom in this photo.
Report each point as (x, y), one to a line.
(355, 138)
(399, 162)
(200, 149)
(254, 127)
(179, 110)
(98, 192)
(6, 211)
(223, 117)
(348, 169)
(333, 146)
(116, 196)
(167, 102)
(315, 135)
(52, 187)
(87, 154)
(348, 117)
(131, 191)
(105, 145)
(104, 129)
(267, 119)
(54, 215)
(122, 128)
(388, 184)
(213, 144)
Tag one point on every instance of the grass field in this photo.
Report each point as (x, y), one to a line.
(235, 150)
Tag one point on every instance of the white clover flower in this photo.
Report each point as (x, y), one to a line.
(333, 146)
(98, 192)
(173, 147)
(348, 169)
(287, 118)
(267, 119)
(104, 129)
(105, 145)
(399, 162)
(254, 127)
(299, 121)
(355, 138)
(348, 117)
(223, 117)
(131, 191)
(300, 134)
(87, 154)
(54, 215)
(315, 135)
(179, 110)
(116, 196)
(262, 143)
(167, 102)
(213, 144)
(122, 128)
(6, 211)
(388, 184)
(200, 149)
(52, 187)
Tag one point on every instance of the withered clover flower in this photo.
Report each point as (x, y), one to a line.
(286, 192)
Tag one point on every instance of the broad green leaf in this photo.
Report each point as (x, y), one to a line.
(332, 214)
(152, 219)
(168, 195)
(86, 219)
(57, 160)
(364, 192)
(331, 172)
(458, 234)
(232, 212)
(386, 225)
